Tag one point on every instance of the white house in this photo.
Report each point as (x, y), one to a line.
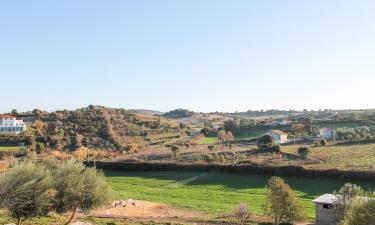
(10, 125)
(279, 136)
(327, 133)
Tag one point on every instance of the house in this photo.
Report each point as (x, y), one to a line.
(324, 213)
(279, 136)
(11, 125)
(327, 133)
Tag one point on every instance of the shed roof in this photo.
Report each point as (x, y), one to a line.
(326, 198)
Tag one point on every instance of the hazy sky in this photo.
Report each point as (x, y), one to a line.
(202, 55)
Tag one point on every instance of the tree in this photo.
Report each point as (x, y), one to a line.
(303, 152)
(361, 212)
(14, 112)
(174, 149)
(282, 203)
(345, 197)
(39, 148)
(242, 213)
(230, 126)
(25, 191)
(79, 187)
(225, 137)
(265, 141)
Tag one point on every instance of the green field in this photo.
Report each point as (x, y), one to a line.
(212, 192)
(11, 148)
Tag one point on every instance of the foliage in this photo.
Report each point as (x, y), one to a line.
(266, 142)
(79, 187)
(242, 213)
(225, 137)
(361, 212)
(179, 113)
(282, 203)
(174, 149)
(39, 147)
(303, 152)
(230, 126)
(345, 197)
(25, 191)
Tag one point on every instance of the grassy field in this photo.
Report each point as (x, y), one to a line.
(338, 125)
(345, 157)
(208, 141)
(11, 148)
(213, 193)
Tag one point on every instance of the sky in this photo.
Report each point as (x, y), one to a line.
(203, 55)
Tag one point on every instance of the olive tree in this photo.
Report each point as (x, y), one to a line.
(360, 212)
(282, 203)
(79, 187)
(344, 199)
(25, 191)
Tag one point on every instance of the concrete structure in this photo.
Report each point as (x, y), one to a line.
(279, 136)
(327, 133)
(11, 125)
(325, 206)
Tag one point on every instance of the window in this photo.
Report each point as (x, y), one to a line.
(327, 206)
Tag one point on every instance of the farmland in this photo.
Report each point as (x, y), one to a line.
(212, 193)
(344, 157)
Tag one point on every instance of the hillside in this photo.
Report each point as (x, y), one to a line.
(99, 127)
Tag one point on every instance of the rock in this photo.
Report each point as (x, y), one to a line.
(80, 223)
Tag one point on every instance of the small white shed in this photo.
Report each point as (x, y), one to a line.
(325, 206)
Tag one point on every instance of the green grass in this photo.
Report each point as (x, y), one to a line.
(11, 148)
(208, 141)
(249, 134)
(213, 193)
(339, 125)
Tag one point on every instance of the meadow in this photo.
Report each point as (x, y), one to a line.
(212, 192)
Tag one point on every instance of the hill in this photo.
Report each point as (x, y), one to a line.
(99, 127)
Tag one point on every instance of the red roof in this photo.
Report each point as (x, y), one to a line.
(7, 116)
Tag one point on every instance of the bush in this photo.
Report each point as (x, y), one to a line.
(174, 149)
(39, 147)
(25, 191)
(265, 142)
(211, 147)
(323, 142)
(79, 187)
(303, 152)
(242, 213)
(282, 203)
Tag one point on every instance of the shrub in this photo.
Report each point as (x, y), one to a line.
(345, 197)
(323, 142)
(211, 147)
(174, 149)
(282, 203)
(39, 148)
(242, 213)
(265, 141)
(79, 187)
(303, 152)
(361, 212)
(25, 191)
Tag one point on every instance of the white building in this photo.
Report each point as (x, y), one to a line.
(10, 125)
(279, 136)
(324, 213)
(327, 133)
